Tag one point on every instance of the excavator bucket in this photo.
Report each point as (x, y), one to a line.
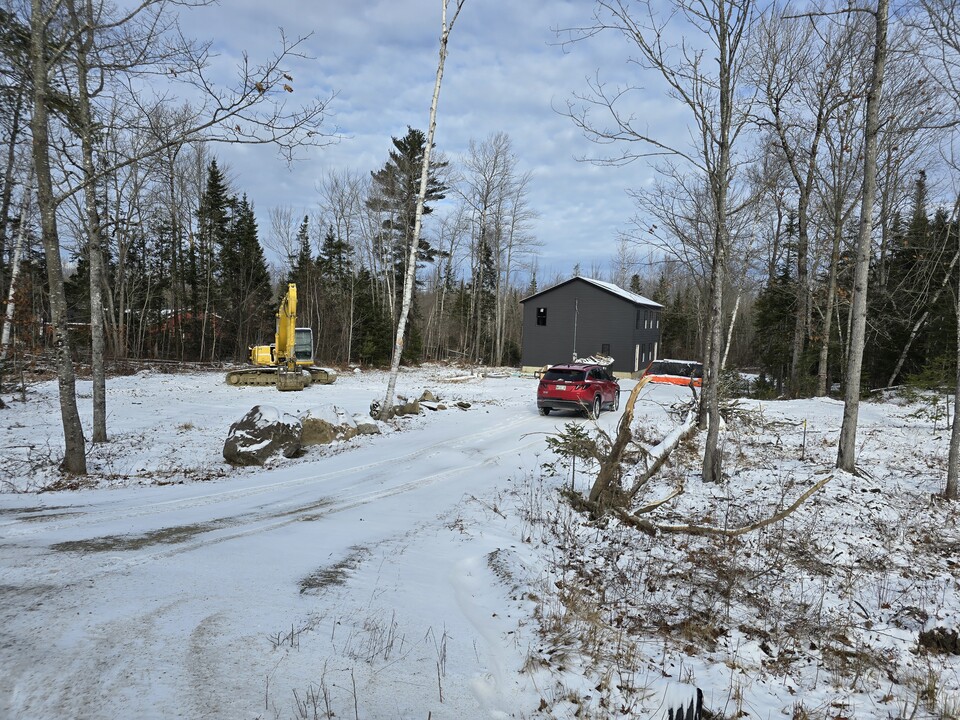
(290, 378)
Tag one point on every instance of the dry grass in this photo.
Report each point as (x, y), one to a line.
(806, 592)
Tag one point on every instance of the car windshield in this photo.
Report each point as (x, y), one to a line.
(564, 375)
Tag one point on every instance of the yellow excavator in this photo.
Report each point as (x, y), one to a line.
(288, 362)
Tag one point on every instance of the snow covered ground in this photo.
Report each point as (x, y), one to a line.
(432, 571)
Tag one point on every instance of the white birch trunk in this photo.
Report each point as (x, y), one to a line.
(15, 266)
(846, 454)
(411, 270)
(733, 321)
(822, 366)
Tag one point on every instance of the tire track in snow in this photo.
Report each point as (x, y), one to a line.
(115, 563)
(120, 560)
(19, 526)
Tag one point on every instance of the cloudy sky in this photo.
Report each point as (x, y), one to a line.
(506, 71)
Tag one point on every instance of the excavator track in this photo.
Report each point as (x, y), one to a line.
(260, 376)
(321, 375)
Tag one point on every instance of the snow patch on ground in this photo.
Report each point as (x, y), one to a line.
(433, 570)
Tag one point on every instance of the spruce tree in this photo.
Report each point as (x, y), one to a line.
(206, 257)
(245, 291)
(774, 314)
(394, 194)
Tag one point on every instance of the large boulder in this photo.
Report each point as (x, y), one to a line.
(322, 426)
(261, 433)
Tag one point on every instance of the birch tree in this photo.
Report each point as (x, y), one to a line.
(410, 277)
(846, 452)
(15, 266)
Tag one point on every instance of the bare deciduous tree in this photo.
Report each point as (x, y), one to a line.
(411, 272)
(798, 68)
(846, 453)
(254, 110)
(942, 26)
(706, 82)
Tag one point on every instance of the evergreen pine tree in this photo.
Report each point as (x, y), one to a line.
(206, 257)
(394, 194)
(303, 262)
(373, 334)
(774, 315)
(245, 288)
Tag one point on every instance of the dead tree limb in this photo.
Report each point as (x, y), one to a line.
(634, 520)
(661, 453)
(734, 532)
(678, 490)
(607, 483)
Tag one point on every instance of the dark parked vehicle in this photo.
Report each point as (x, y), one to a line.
(675, 372)
(582, 387)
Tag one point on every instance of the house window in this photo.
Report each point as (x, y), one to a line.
(541, 316)
(638, 319)
(646, 319)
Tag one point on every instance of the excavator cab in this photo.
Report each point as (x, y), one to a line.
(303, 346)
(289, 374)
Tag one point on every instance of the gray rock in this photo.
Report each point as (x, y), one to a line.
(405, 408)
(365, 426)
(408, 408)
(323, 426)
(261, 433)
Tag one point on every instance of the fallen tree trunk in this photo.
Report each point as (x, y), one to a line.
(607, 485)
(644, 525)
(661, 453)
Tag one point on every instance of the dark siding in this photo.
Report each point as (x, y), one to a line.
(601, 318)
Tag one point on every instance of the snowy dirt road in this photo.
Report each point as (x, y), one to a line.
(372, 579)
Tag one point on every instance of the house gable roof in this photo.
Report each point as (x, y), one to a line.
(605, 286)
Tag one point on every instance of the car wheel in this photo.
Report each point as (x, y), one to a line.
(616, 401)
(545, 411)
(594, 411)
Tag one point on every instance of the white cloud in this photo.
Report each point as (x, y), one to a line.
(505, 72)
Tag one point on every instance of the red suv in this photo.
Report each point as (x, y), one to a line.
(578, 386)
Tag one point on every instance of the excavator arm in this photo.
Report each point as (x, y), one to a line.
(289, 376)
(287, 327)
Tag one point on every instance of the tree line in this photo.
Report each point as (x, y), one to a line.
(206, 291)
(801, 195)
(806, 226)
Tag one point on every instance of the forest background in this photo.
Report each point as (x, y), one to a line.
(167, 254)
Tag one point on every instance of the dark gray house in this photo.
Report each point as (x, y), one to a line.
(582, 317)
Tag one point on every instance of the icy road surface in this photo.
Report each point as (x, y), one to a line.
(361, 579)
